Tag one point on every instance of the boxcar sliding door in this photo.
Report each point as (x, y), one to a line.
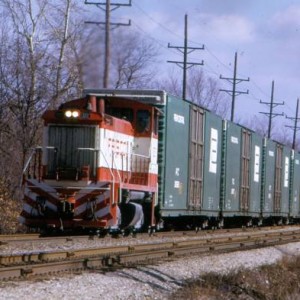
(245, 171)
(196, 159)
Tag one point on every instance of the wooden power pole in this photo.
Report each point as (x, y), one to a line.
(185, 50)
(234, 91)
(107, 6)
(295, 127)
(271, 114)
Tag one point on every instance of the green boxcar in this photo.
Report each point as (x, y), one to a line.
(193, 139)
(241, 174)
(295, 185)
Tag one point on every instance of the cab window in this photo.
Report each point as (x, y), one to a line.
(142, 121)
(121, 113)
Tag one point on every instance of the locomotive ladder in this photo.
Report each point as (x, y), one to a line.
(161, 154)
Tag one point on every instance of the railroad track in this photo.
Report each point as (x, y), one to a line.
(35, 237)
(42, 263)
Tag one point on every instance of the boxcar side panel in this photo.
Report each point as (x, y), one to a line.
(295, 188)
(212, 164)
(269, 175)
(176, 155)
(285, 181)
(255, 174)
(232, 158)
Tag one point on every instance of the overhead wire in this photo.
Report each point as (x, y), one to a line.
(208, 50)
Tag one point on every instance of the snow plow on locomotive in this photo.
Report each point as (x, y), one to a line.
(97, 167)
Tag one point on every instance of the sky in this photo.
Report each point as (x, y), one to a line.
(264, 33)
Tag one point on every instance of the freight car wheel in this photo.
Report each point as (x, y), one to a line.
(151, 230)
(286, 221)
(220, 224)
(101, 233)
(249, 223)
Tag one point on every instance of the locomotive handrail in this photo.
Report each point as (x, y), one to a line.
(140, 167)
(111, 172)
(114, 164)
(33, 151)
(91, 149)
(55, 149)
(112, 175)
(30, 158)
(95, 162)
(140, 155)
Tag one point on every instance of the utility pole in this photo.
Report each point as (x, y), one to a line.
(234, 81)
(295, 127)
(272, 105)
(185, 50)
(107, 7)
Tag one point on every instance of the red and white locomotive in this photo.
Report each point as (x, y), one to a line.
(97, 167)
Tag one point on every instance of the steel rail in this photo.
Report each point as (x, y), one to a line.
(35, 237)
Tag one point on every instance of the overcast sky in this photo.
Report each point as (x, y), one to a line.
(264, 33)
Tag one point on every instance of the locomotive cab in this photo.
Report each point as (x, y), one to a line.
(72, 136)
(94, 150)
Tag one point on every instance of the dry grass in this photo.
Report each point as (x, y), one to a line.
(276, 282)
(9, 211)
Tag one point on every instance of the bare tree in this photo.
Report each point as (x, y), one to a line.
(283, 135)
(133, 60)
(205, 91)
(173, 84)
(39, 68)
(201, 89)
(259, 124)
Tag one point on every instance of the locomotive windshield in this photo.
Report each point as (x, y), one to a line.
(121, 113)
(143, 121)
(70, 148)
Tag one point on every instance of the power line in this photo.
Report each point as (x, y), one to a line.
(180, 36)
(185, 50)
(234, 82)
(158, 23)
(107, 7)
(272, 105)
(196, 43)
(295, 127)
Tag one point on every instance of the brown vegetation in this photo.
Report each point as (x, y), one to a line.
(276, 282)
(9, 211)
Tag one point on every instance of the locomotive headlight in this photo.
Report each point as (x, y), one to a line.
(68, 114)
(72, 114)
(75, 114)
